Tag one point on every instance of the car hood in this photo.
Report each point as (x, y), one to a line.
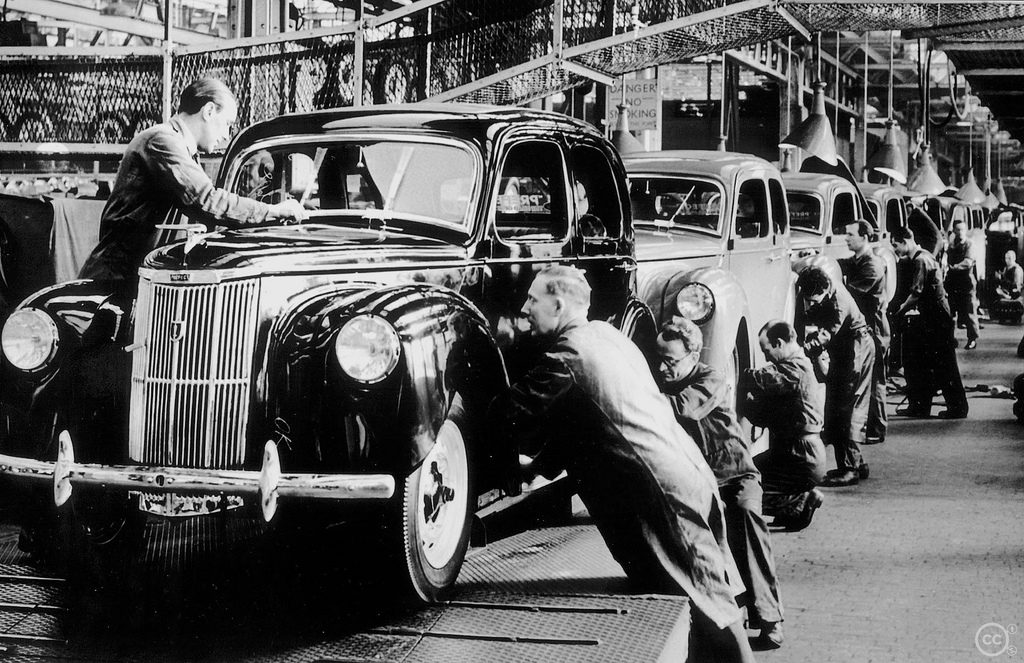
(651, 245)
(289, 249)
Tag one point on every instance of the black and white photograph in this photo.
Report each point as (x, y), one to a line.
(597, 331)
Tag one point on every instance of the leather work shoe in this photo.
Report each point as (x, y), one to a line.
(971, 345)
(771, 636)
(863, 472)
(845, 478)
(874, 439)
(802, 521)
(911, 412)
(952, 414)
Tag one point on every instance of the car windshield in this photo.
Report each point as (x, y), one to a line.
(804, 212)
(380, 179)
(676, 202)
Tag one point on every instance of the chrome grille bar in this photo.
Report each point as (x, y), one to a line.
(190, 377)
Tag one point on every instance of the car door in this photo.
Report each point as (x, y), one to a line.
(600, 242)
(845, 210)
(528, 226)
(754, 256)
(779, 275)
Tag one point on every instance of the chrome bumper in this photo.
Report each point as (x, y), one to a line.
(269, 483)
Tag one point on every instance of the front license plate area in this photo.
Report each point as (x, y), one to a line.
(173, 505)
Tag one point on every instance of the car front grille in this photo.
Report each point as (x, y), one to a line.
(191, 373)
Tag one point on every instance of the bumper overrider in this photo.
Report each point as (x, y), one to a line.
(269, 483)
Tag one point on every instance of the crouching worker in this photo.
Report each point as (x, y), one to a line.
(785, 398)
(702, 402)
(591, 406)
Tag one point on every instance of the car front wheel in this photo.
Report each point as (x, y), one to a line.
(436, 515)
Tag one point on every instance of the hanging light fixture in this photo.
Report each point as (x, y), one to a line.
(1000, 192)
(970, 192)
(814, 134)
(925, 180)
(888, 158)
(623, 140)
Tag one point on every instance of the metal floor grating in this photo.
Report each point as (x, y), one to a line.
(542, 595)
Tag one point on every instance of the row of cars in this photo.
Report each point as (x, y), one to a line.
(345, 365)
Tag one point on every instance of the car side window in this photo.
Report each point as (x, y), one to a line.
(844, 212)
(596, 193)
(531, 200)
(752, 210)
(894, 211)
(780, 215)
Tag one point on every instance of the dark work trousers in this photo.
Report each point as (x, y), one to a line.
(963, 304)
(751, 550)
(789, 470)
(929, 365)
(878, 421)
(848, 390)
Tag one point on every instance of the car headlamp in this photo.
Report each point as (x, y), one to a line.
(367, 348)
(30, 339)
(696, 303)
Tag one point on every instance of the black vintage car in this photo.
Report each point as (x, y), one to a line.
(342, 363)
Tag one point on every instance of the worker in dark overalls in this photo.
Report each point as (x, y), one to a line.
(841, 332)
(929, 352)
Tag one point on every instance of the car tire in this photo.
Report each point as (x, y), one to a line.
(436, 513)
(734, 368)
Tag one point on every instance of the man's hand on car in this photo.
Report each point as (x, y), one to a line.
(289, 211)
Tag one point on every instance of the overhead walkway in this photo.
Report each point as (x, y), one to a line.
(457, 50)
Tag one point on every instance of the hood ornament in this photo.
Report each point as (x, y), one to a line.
(195, 234)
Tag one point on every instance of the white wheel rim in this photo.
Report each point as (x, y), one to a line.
(443, 493)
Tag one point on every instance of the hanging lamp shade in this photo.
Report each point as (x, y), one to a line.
(925, 180)
(814, 135)
(888, 158)
(1000, 193)
(990, 202)
(623, 140)
(970, 192)
(787, 161)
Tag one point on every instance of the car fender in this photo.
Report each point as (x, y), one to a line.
(659, 291)
(446, 349)
(827, 263)
(637, 322)
(88, 373)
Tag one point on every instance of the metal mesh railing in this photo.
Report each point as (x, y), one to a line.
(78, 99)
(473, 50)
(826, 16)
(473, 39)
(271, 79)
(524, 87)
(704, 37)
